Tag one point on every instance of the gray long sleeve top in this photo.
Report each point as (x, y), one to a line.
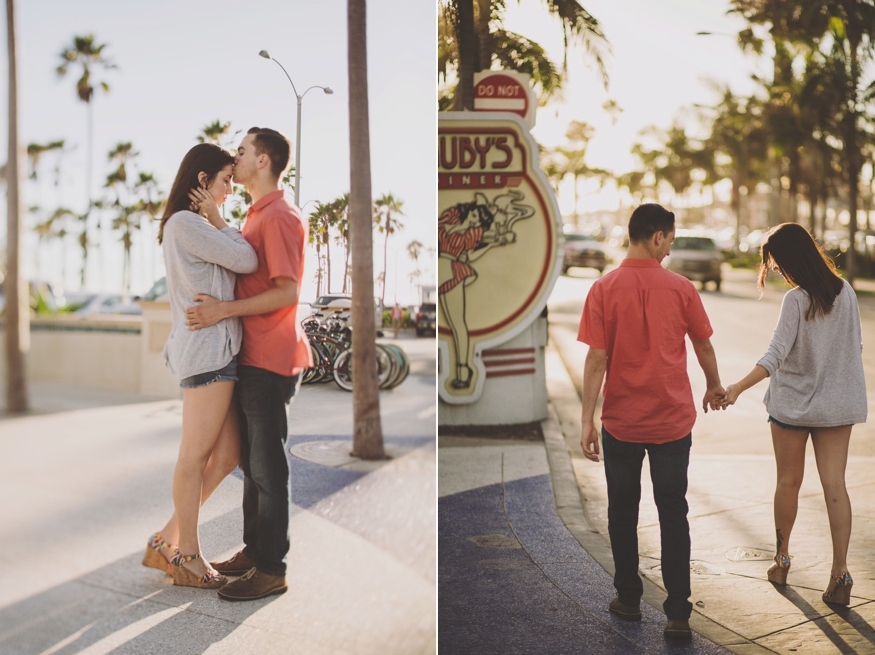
(201, 259)
(816, 367)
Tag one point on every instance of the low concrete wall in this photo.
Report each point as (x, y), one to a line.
(116, 352)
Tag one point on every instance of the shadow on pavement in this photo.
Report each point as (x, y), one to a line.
(822, 622)
(122, 608)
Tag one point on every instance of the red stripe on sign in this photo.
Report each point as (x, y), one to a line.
(508, 351)
(509, 362)
(503, 374)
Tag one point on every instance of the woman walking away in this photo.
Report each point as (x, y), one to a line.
(816, 386)
(202, 254)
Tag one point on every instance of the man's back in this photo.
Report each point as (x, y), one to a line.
(640, 315)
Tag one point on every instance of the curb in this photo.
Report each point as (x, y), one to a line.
(569, 503)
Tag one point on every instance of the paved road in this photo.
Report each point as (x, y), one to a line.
(732, 483)
(88, 479)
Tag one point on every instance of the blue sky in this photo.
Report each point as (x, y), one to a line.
(183, 64)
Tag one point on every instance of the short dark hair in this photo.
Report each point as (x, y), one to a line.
(203, 158)
(275, 146)
(647, 220)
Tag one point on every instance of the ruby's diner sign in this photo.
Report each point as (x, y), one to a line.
(498, 240)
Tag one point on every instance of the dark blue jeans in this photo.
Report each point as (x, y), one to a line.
(668, 472)
(262, 397)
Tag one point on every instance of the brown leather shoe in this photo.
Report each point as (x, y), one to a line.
(674, 629)
(253, 585)
(625, 612)
(237, 565)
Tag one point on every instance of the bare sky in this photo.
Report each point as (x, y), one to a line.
(183, 64)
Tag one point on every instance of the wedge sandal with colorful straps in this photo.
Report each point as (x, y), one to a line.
(153, 557)
(185, 578)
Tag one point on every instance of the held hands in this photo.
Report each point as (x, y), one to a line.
(205, 314)
(720, 398)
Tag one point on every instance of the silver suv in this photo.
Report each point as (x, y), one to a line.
(696, 258)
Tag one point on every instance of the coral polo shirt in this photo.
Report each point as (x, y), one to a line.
(640, 314)
(274, 341)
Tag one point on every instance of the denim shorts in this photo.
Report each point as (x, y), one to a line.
(784, 426)
(226, 374)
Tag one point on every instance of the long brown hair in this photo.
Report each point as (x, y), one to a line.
(804, 264)
(203, 158)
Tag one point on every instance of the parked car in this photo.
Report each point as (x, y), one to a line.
(426, 319)
(103, 304)
(696, 258)
(158, 290)
(584, 250)
(342, 302)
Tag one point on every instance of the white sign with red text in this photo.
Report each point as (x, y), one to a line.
(504, 90)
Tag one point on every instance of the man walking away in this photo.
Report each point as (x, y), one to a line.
(635, 321)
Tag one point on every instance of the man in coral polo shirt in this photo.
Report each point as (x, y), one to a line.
(635, 321)
(274, 353)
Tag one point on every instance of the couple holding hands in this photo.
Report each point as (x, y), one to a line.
(635, 322)
(238, 353)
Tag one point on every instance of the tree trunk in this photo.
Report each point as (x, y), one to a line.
(17, 311)
(367, 440)
(852, 148)
(318, 267)
(466, 36)
(485, 42)
(385, 260)
(327, 261)
(346, 262)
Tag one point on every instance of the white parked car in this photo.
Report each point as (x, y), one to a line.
(696, 258)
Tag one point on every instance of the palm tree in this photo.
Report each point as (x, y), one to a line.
(341, 208)
(213, 132)
(854, 46)
(322, 219)
(384, 207)
(414, 250)
(314, 237)
(367, 427)
(86, 54)
(738, 133)
(472, 38)
(35, 151)
(17, 319)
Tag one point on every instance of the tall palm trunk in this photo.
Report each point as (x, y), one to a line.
(346, 263)
(327, 261)
(852, 147)
(17, 316)
(468, 54)
(367, 440)
(385, 258)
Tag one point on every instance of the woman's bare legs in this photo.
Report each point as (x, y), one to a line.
(223, 460)
(831, 453)
(205, 417)
(790, 458)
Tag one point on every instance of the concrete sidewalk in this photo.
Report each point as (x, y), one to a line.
(87, 481)
(732, 477)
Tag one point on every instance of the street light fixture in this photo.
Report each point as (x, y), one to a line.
(326, 90)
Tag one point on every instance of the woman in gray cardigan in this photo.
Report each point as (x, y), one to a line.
(202, 253)
(816, 386)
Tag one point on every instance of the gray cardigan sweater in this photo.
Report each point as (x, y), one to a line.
(816, 367)
(201, 259)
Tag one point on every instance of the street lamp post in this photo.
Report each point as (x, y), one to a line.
(300, 98)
